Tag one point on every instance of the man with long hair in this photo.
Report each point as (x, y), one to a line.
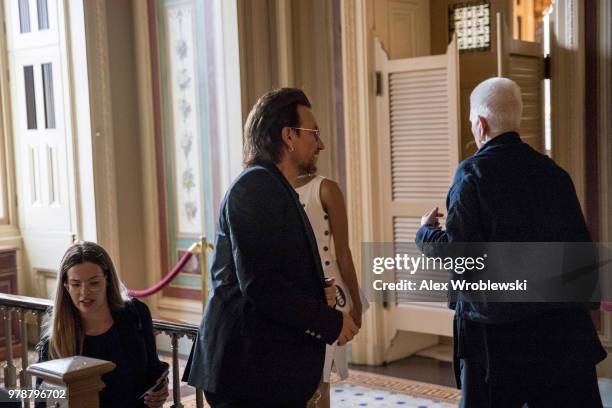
(262, 339)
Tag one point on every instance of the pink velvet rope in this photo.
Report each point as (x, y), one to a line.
(165, 280)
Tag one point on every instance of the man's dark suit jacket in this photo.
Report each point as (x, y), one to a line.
(508, 192)
(264, 330)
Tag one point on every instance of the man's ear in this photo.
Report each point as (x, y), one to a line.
(287, 136)
(484, 125)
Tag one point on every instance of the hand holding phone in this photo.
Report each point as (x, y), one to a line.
(159, 384)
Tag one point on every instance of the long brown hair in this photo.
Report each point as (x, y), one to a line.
(65, 330)
(263, 128)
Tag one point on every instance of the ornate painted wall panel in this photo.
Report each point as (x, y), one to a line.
(185, 136)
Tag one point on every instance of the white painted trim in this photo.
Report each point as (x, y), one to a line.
(229, 98)
(417, 317)
(85, 214)
(361, 168)
(69, 91)
(416, 63)
(43, 247)
(105, 184)
(36, 37)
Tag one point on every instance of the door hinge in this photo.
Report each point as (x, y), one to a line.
(547, 67)
(378, 83)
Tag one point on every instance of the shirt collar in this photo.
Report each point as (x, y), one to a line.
(503, 139)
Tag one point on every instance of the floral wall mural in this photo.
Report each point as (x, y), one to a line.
(183, 82)
(186, 147)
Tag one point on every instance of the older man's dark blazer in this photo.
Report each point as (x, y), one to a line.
(508, 192)
(264, 330)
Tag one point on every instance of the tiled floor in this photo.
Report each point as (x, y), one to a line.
(438, 372)
(348, 395)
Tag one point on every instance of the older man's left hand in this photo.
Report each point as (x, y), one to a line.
(431, 218)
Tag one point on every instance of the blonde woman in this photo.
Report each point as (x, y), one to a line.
(323, 202)
(93, 317)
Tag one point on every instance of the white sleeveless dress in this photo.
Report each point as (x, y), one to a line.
(336, 357)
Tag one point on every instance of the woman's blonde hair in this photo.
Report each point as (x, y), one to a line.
(64, 329)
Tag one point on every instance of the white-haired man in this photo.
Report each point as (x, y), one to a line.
(508, 355)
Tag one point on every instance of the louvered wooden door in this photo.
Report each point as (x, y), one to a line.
(523, 62)
(526, 67)
(418, 117)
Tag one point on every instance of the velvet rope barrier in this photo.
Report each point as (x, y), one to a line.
(195, 248)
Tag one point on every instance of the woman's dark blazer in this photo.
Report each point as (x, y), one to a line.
(264, 331)
(135, 328)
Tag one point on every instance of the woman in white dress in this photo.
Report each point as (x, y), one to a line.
(323, 202)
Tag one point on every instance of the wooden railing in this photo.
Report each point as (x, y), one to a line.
(29, 311)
